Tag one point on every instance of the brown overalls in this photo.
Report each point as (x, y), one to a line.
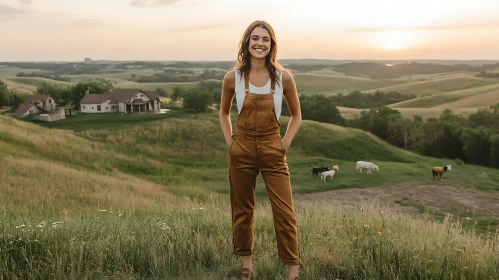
(257, 148)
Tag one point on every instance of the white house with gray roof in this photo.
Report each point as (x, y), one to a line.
(121, 100)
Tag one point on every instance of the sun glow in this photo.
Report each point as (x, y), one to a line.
(395, 40)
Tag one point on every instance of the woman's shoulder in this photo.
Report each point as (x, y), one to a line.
(230, 76)
(286, 75)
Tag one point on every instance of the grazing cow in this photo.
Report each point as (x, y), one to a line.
(335, 168)
(438, 171)
(317, 170)
(366, 165)
(326, 174)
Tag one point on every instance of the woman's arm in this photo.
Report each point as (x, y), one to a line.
(291, 95)
(225, 105)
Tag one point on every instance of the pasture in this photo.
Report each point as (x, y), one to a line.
(150, 200)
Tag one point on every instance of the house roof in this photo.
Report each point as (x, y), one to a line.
(115, 97)
(23, 108)
(97, 98)
(37, 97)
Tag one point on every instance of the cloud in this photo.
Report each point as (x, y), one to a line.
(26, 2)
(149, 3)
(8, 11)
(209, 26)
(427, 28)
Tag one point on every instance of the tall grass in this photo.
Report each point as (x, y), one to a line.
(188, 240)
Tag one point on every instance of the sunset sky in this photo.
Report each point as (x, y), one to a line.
(70, 30)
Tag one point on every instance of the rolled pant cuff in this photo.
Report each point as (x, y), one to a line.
(244, 253)
(290, 262)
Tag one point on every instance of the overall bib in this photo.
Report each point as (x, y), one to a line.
(256, 148)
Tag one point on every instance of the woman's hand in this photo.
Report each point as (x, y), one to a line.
(285, 144)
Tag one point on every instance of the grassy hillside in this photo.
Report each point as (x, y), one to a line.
(429, 87)
(351, 113)
(328, 84)
(148, 199)
(451, 97)
(195, 142)
(34, 81)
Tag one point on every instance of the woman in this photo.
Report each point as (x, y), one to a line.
(259, 83)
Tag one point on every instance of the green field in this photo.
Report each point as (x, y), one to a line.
(436, 86)
(450, 97)
(146, 196)
(327, 84)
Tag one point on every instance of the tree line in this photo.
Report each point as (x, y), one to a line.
(473, 139)
(10, 97)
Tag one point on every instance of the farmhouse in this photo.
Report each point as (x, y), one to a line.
(120, 100)
(42, 105)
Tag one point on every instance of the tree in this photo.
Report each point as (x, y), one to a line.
(494, 150)
(161, 92)
(78, 90)
(4, 91)
(476, 145)
(59, 93)
(377, 120)
(197, 101)
(400, 128)
(177, 94)
(15, 99)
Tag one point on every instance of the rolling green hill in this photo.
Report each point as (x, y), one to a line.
(144, 197)
(436, 86)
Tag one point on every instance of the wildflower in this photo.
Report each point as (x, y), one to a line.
(355, 238)
(55, 224)
(366, 226)
(381, 212)
(311, 243)
(380, 233)
(323, 217)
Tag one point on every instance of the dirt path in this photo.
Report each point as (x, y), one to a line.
(437, 197)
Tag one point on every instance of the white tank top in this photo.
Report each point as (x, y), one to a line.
(259, 90)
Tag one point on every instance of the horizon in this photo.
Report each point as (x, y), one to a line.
(155, 30)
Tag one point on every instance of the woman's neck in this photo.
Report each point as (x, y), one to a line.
(258, 67)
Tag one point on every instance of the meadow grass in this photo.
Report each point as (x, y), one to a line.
(82, 121)
(148, 198)
(191, 240)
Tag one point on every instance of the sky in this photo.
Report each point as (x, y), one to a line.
(70, 30)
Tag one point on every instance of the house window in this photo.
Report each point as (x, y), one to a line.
(92, 108)
(83, 107)
(50, 100)
(106, 108)
(98, 107)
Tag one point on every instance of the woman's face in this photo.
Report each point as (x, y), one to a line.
(259, 44)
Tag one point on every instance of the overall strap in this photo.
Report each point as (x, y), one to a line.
(246, 83)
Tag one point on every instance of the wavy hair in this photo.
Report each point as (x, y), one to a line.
(243, 57)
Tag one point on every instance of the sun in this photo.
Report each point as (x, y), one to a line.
(395, 40)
